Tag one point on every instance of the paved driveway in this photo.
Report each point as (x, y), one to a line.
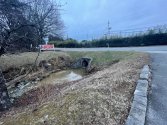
(157, 103)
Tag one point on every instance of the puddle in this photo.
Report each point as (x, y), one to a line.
(64, 76)
(55, 78)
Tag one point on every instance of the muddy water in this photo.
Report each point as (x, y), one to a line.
(64, 76)
(55, 78)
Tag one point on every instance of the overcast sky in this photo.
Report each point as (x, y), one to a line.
(87, 19)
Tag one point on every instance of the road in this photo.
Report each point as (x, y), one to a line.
(150, 49)
(157, 102)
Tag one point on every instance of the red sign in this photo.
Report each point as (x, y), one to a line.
(47, 46)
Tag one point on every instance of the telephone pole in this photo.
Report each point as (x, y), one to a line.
(109, 28)
(108, 32)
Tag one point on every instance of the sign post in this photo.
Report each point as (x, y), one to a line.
(46, 39)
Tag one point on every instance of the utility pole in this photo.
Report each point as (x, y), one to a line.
(109, 28)
(108, 33)
(67, 36)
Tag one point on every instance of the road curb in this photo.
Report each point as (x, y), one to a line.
(137, 112)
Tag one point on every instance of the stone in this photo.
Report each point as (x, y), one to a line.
(145, 73)
(140, 99)
(145, 69)
(140, 93)
(138, 105)
(144, 76)
(142, 85)
(133, 121)
(143, 81)
(138, 115)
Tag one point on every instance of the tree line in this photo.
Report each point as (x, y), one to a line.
(152, 37)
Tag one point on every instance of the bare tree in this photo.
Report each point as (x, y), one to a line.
(13, 24)
(25, 22)
(45, 15)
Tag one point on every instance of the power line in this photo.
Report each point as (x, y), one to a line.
(144, 28)
(125, 32)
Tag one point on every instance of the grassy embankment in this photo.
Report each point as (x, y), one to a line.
(101, 98)
(103, 58)
(99, 58)
(21, 59)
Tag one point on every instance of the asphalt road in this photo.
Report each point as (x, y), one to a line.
(150, 49)
(157, 102)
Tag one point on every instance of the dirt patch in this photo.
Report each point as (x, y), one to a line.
(101, 98)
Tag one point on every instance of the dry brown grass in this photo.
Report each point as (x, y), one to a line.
(101, 99)
(21, 59)
(38, 96)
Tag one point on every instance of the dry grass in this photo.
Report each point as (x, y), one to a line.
(37, 96)
(101, 58)
(21, 59)
(101, 99)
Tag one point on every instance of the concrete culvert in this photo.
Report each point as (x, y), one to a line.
(82, 62)
(85, 63)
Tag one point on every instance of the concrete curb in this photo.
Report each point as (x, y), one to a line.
(139, 105)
